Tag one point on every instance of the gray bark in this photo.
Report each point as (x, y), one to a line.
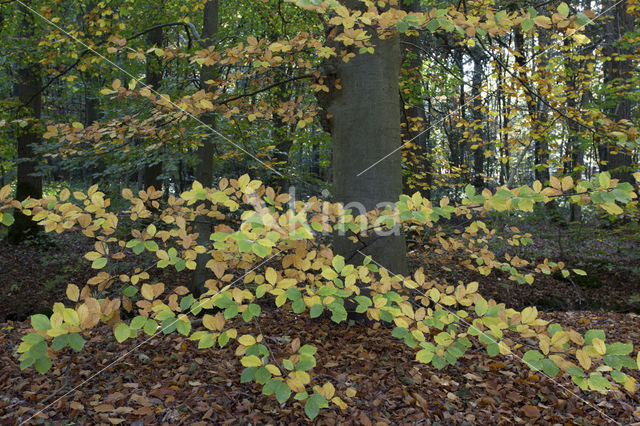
(365, 127)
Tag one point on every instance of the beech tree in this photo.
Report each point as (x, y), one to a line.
(248, 243)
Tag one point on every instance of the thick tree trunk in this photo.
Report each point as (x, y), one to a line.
(27, 88)
(204, 170)
(365, 129)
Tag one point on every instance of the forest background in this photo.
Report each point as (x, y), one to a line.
(433, 172)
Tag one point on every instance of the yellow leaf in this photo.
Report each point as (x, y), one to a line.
(339, 402)
(599, 346)
(247, 340)
(583, 359)
(77, 125)
(147, 291)
(73, 292)
(351, 392)
(64, 194)
(209, 322)
(273, 369)
(271, 275)
(327, 390)
(567, 183)
(251, 361)
(537, 186)
(529, 314)
(630, 384)
(555, 182)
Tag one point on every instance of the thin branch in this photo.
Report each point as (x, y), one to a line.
(187, 26)
(534, 93)
(263, 89)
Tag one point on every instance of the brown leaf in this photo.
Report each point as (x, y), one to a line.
(531, 411)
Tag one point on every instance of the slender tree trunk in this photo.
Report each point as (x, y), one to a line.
(365, 129)
(414, 118)
(204, 169)
(617, 76)
(27, 88)
(478, 154)
(153, 169)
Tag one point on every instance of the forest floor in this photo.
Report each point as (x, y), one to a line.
(169, 381)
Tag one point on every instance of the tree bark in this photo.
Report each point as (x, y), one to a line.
(153, 169)
(617, 74)
(27, 89)
(365, 128)
(204, 169)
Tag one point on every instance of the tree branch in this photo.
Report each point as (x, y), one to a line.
(263, 89)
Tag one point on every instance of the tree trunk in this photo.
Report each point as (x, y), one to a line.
(414, 118)
(153, 169)
(476, 86)
(27, 88)
(365, 129)
(204, 169)
(617, 74)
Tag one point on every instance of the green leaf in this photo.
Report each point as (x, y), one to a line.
(33, 338)
(122, 332)
(248, 374)
(99, 263)
(298, 306)
(424, 356)
(40, 322)
(301, 396)
(591, 334)
(151, 245)
(305, 363)
(7, 219)
(43, 365)
(402, 27)
(550, 368)
(527, 24)
(60, 342)
(261, 250)
(481, 307)
(130, 291)
(563, 9)
(493, 349)
(433, 25)
(599, 383)
(76, 342)
(604, 179)
(262, 375)
(308, 350)
(283, 392)
(619, 348)
(271, 386)
(206, 341)
(186, 302)
(150, 327)
(314, 404)
(183, 327)
(316, 310)
(138, 322)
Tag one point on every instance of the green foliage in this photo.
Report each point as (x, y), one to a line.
(413, 304)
